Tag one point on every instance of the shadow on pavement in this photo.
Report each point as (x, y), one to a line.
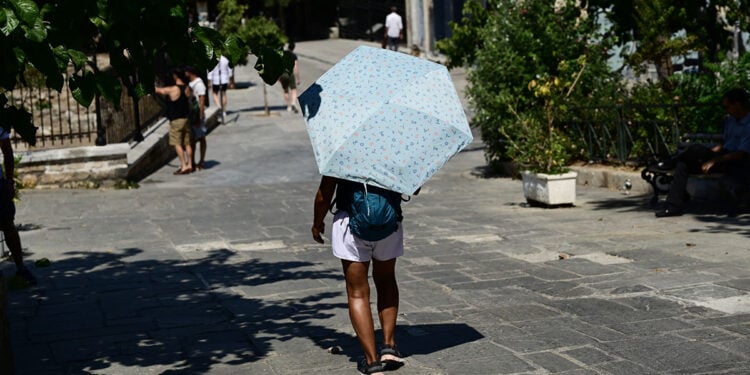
(105, 311)
(243, 85)
(208, 164)
(271, 108)
(712, 213)
(720, 223)
(637, 203)
(422, 339)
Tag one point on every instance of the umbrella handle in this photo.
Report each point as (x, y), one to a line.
(366, 201)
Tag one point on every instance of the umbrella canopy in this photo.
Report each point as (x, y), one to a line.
(384, 118)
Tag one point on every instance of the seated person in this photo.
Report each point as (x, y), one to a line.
(730, 157)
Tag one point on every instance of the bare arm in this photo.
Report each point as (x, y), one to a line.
(172, 92)
(323, 199)
(202, 106)
(295, 70)
(732, 156)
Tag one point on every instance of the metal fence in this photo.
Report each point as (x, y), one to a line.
(637, 133)
(62, 122)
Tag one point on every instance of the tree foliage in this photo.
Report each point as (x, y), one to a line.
(258, 35)
(142, 37)
(507, 44)
(518, 43)
(466, 40)
(662, 29)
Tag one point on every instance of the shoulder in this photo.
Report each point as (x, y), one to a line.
(198, 86)
(4, 134)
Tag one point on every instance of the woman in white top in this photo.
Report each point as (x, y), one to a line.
(220, 77)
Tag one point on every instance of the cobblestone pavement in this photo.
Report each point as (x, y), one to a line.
(216, 272)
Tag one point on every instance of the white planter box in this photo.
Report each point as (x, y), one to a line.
(550, 189)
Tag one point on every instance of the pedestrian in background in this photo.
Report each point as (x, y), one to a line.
(177, 111)
(198, 127)
(8, 209)
(289, 82)
(731, 156)
(220, 77)
(394, 29)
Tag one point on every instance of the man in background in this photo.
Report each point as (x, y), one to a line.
(198, 127)
(289, 82)
(394, 29)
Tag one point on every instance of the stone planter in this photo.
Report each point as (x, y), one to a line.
(550, 189)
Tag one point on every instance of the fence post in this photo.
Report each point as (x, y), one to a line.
(101, 133)
(138, 136)
(622, 152)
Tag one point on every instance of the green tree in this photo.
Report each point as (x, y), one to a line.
(525, 42)
(140, 36)
(466, 40)
(258, 35)
(662, 29)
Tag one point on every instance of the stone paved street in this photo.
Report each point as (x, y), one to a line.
(216, 272)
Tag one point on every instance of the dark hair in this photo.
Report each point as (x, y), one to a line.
(394, 9)
(170, 81)
(290, 46)
(737, 95)
(191, 70)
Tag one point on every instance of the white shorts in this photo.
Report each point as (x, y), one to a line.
(350, 247)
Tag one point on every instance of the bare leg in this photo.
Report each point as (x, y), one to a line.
(13, 240)
(384, 275)
(287, 99)
(189, 157)
(203, 150)
(216, 97)
(224, 100)
(358, 293)
(180, 156)
(193, 142)
(294, 97)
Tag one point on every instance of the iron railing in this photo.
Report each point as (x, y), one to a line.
(62, 122)
(637, 133)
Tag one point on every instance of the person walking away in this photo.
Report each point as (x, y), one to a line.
(356, 253)
(220, 77)
(394, 29)
(8, 209)
(198, 127)
(177, 111)
(729, 156)
(289, 82)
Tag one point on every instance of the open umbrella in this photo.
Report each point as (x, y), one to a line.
(384, 118)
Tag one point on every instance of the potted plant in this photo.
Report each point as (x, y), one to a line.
(539, 148)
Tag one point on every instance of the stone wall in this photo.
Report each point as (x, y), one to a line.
(102, 166)
(78, 167)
